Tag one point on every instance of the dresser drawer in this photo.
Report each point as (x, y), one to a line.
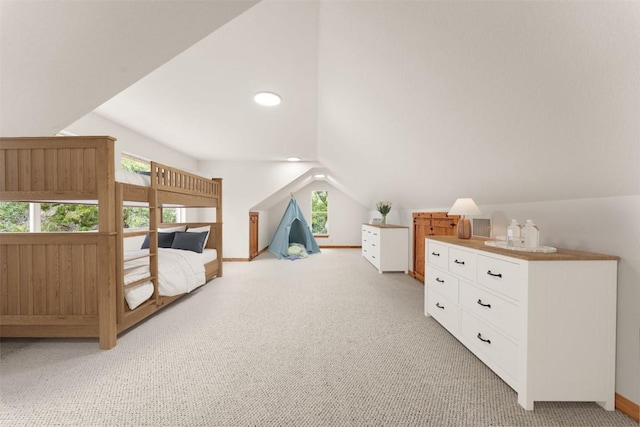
(443, 310)
(505, 277)
(494, 310)
(374, 237)
(374, 255)
(443, 283)
(490, 342)
(462, 263)
(437, 254)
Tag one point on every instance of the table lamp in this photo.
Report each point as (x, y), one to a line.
(462, 207)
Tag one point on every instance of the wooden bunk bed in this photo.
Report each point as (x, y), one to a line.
(71, 284)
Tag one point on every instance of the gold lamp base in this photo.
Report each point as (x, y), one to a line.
(464, 228)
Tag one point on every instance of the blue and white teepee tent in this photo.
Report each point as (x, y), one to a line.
(292, 229)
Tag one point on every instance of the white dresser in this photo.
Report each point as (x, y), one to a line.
(386, 247)
(544, 323)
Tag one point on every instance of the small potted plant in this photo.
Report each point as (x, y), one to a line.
(384, 208)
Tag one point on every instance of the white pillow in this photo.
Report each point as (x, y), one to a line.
(206, 228)
(172, 229)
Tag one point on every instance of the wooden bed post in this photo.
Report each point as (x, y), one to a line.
(107, 322)
(219, 222)
(154, 220)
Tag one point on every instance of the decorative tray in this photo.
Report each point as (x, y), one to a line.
(503, 245)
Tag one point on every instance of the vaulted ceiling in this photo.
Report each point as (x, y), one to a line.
(414, 102)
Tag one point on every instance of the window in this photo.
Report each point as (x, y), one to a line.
(139, 217)
(14, 217)
(134, 164)
(60, 217)
(18, 217)
(319, 212)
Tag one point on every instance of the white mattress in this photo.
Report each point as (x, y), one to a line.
(178, 272)
(127, 177)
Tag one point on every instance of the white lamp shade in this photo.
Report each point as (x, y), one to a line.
(464, 207)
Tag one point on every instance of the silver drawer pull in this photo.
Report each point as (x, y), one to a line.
(439, 306)
(482, 339)
(435, 254)
(459, 262)
(439, 280)
(484, 305)
(494, 274)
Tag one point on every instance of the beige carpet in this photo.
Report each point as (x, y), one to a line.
(321, 341)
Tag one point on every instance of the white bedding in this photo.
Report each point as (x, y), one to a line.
(127, 177)
(179, 272)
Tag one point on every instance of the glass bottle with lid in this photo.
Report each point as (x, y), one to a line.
(531, 235)
(513, 233)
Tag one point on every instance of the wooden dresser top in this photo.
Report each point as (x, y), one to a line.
(562, 254)
(385, 226)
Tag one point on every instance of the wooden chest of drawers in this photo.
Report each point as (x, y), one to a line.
(545, 323)
(429, 224)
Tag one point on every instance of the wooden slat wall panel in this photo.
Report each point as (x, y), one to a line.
(4, 281)
(64, 168)
(174, 180)
(53, 279)
(52, 164)
(91, 280)
(11, 170)
(169, 197)
(24, 170)
(25, 264)
(66, 280)
(39, 280)
(3, 166)
(76, 169)
(77, 265)
(13, 282)
(89, 169)
(51, 169)
(49, 279)
(37, 170)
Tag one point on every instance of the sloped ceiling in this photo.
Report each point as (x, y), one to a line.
(413, 102)
(424, 102)
(60, 59)
(201, 102)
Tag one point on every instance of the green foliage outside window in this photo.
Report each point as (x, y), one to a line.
(14, 217)
(131, 164)
(139, 217)
(58, 217)
(319, 212)
(169, 215)
(135, 217)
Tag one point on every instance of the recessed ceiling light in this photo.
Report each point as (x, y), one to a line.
(319, 176)
(293, 159)
(268, 99)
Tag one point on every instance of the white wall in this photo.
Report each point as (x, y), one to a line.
(420, 102)
(606, 225)
(134, 143)
(345, 214)
(245, 184)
